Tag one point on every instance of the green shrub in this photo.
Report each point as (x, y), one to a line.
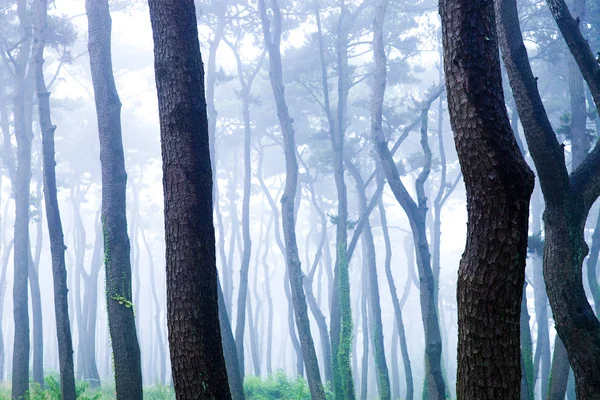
(277, 387)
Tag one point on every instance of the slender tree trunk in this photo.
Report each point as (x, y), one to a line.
(197, 361)
(364, 379)
(288, 200)
(415, 211)
(527, 378)
(124, 339)
(21, 344)
(398, 304)
(370, 263)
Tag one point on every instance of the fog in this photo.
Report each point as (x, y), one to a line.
(401, 239)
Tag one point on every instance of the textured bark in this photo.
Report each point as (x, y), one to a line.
(20, 363)
(272, 38)
(124, 340)
(499, 185)
(197, 361)
(370, 263)
(568, 198)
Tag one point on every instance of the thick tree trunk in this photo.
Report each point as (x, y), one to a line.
(499, 185)
(197, 361)
(124, 340)
(568, 198)
(288, 200)
(364, 378)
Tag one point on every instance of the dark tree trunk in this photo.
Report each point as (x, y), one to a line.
(568, 198)
(288, 200)
(20, 363)
(499, 185)
(124, 340)
(197, 361)
(415, 211)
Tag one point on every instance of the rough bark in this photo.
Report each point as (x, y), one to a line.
(568, 198)
(124, 340)
(197, 361)
(499, 185)
(272, 38)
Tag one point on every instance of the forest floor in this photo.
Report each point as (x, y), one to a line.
(275, 387)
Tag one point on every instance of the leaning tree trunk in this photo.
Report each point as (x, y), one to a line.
(416, 211)
(568, 198)
(121, 318)
(197, 361)
(288, 200)
(499, 185)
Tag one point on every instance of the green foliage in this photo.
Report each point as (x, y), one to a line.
(278, 386)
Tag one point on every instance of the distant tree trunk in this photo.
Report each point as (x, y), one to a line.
(288, 200)
(416, 211)
(20, 364)
(34, 260)
(236, 383)
(316, 311)
(527, 378)
(246, 87)
(197, 361)
(370, 263)
(124, 340)
(559, 374)
(364, 379)
(397, 304)
(5, 258)
(542, 347)
(162, 359)
(499, 185)
(288, 295)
